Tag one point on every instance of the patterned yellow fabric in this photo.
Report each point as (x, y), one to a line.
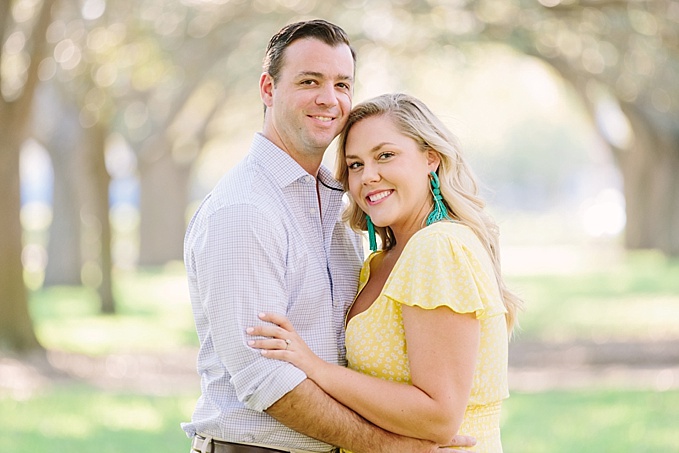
(442, 265)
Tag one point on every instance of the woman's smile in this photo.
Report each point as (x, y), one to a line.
(376, 197)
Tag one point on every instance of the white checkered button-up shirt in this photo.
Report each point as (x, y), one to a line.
(258, 244)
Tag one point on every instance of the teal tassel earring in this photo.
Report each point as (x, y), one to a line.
(371, 234)
(440, 212)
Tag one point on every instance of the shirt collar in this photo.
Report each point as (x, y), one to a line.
(283, 168)
(327, 179)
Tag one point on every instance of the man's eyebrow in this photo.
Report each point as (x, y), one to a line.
(322, 76)
(309, 74)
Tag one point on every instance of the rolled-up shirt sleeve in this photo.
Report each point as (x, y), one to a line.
(240, 258)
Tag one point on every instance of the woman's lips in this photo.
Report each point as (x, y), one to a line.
(376, 197)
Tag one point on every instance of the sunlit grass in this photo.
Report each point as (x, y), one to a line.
(591, 421)
(636, 298)
(79, 418)
(153, 314)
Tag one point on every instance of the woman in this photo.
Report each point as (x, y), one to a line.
(432, 317)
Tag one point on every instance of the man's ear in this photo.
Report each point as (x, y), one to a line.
(266, 89)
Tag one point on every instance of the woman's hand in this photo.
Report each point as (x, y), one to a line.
(459, 441)
(283, 343)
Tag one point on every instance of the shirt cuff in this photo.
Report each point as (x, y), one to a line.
(260, 392)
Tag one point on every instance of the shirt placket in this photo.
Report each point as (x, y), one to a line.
(332, 203)
(314, 229)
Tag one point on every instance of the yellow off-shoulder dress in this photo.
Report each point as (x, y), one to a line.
(443, 264)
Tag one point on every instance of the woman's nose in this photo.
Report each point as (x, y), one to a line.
(370, 173)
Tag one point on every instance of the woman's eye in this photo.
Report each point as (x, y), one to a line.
(385, 155)
(354, 165)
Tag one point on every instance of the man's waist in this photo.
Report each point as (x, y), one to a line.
(208, 444)
(235, 423)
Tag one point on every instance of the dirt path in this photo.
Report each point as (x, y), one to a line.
(539, 366)
(534, 367)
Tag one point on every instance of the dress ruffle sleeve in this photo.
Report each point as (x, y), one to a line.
(446, 265)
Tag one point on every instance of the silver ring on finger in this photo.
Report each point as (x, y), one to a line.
(287, 343)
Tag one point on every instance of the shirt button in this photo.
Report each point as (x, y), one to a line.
(308, 179)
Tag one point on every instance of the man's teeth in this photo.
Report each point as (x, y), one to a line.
(379, 196)
(323, 118)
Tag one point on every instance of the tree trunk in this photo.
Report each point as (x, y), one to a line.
(65, 146)
(16, 328)
(650, 172)
(63, 249)
(163, 199)
(97, 222)
(102, 209)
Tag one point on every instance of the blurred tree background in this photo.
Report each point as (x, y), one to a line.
(129, 100)
(116, 117)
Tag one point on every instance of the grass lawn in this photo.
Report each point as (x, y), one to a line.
(633, 299)
(637, 298)
(80, 418)
(77, 418)
(602, 421)
(153, 314)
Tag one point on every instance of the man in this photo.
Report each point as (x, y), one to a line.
(269, 239)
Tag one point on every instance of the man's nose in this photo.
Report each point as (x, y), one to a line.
(327, 95)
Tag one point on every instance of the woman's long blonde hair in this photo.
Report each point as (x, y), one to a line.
(458, 183)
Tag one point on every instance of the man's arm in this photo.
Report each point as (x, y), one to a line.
(309, 410)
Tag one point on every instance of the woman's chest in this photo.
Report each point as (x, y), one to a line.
(375, 342)
(380, 268)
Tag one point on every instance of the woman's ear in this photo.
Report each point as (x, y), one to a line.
(433, 160)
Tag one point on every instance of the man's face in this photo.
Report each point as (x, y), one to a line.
(308, 106)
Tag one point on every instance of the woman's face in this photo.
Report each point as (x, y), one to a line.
(389, 174)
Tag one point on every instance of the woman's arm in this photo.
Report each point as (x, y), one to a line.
(442, 348)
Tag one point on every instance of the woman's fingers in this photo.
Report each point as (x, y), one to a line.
(270, 344)
(279, 327)
(268, 330)
(279, 335)
(280, 320)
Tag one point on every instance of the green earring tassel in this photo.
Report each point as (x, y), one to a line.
(371, 234)
(440, 212)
